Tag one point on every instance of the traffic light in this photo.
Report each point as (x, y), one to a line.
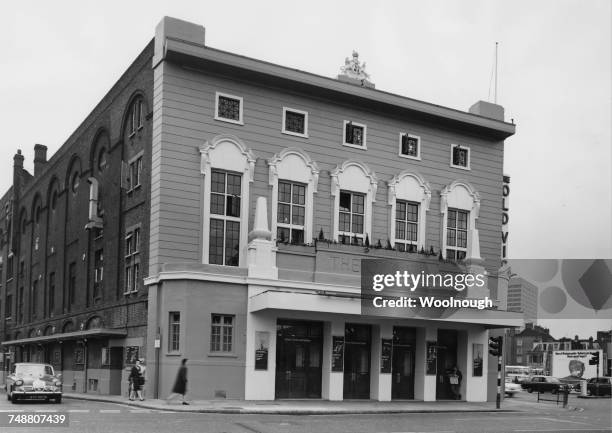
(594, 358)
(495, 345)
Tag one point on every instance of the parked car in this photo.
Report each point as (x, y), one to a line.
(33, 381)
(511, 387)
(545, 384)
(599, 386)
(573, 382)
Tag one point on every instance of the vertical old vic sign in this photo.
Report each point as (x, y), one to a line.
(505, 217)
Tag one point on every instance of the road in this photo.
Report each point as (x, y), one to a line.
(89, 416)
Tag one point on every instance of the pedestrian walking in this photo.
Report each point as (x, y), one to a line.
(454, 379)
(180, 384)
(137, 380)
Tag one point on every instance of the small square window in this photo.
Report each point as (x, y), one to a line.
(410, 146)
(228, 108)
(460, 157)
(295, 122)
(354, 135)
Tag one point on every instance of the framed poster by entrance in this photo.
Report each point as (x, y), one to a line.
(431, 358)
(262, 344)
(477, 359)
(337, 353)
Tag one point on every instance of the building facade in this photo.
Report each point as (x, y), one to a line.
(260, 189)
(74, 244)
(269, 186)
(523, 298)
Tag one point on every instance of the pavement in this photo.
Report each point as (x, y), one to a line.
(297, 407)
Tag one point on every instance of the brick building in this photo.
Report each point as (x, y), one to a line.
(260, 191)
(74, 244)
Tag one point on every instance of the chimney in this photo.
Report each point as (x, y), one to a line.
(40, 158)
(18, 159)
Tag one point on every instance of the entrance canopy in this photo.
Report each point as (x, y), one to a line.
(76, 335)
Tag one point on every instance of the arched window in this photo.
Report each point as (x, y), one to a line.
(294, 178)
(460, 206)
(227, 166)
(75, 182)
(354, 188)
(409, 198)
(102, 160)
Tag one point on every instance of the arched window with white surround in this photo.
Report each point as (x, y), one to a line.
(409, 198)
(353, 187)
(459, 205)
(294, 178)
(227, 166)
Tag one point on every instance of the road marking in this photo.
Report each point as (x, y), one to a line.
(561, 420)
(110, 411)
(12, 410)
(78, 410)
(246, 427)
(567, 429)
(140, 411)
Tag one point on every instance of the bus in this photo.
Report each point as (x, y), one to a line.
(518, 373)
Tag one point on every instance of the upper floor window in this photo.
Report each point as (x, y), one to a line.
(136, 116)
(354, 188)
(134, 173)
(98, 273)
(456, 234)
(351, 218)
(102, 160)
(354, 134)
(295, 122)
(51, 294)
(406, 226)
(228, 108)
(53, 200)
(291, 212)
(132, 260)
(75, 182)
(71, 283)
(460, 157)
(410, 146)
(225, 207)
(34, 302)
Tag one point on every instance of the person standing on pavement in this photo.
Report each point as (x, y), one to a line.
(137, 380)
(180, 384)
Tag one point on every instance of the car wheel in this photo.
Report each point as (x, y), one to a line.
(14, 399)
(554, 390)
(589, 392)
(530, 390)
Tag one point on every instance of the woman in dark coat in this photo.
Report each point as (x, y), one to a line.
(180, 384)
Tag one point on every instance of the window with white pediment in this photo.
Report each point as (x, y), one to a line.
(354, 188)
(409, 197)
(460, 206)
(294, 178)
(227, 167)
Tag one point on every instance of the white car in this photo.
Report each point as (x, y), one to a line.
(511, 388)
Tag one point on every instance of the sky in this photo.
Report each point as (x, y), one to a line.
(554, 79)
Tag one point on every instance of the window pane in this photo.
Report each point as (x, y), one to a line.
(215, 251)
(400, 246)
(229, 108)
(400, 230)
(282, 234)
(358, 224)
(345, 201)
(233, 206)
(412, 232)
(400, 210)
(345, 222)
(232, 243)
(452, 218)
(298, 215)
(462, 220)
(217, 204)
(450, 238)
(227, 320)
(294, 122)
(461, 239)
(450, 254)
(217, 183)
(233, 184)
(358, 203)
(413, 212)
(299, 194)
(460, 255)
(284, 192)
(297, 236)
(283, 213)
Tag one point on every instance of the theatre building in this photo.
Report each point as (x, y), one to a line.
(219, 208)
(269, 186)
